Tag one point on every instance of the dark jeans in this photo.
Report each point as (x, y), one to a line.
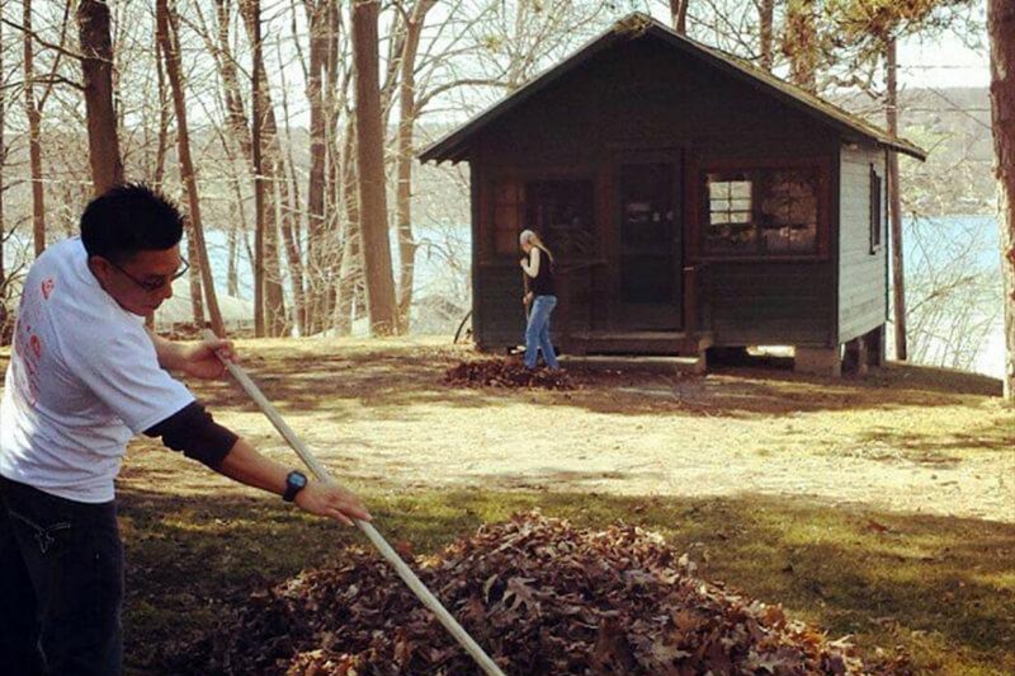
(61, 585)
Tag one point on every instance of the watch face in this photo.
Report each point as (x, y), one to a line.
(297, 480)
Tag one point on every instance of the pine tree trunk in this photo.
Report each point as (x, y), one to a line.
(895, 210)
(766, 13)
(34, 134)
(168, 37)
(800, 43)
(1001, 28)
(97, 68)
(370, 153)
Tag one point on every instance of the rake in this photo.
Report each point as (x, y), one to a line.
(389, 554)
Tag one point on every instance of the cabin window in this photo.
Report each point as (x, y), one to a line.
(877, 221)
(761, 212)
(508, 199)
(562, 212)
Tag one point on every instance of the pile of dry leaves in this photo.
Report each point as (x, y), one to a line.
(506, 373)
(541, 597)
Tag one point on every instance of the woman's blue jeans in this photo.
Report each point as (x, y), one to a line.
(61, 585)
(537, 333)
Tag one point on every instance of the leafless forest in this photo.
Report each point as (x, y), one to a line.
(287, 129)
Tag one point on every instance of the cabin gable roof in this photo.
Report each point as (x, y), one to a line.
(455, 146)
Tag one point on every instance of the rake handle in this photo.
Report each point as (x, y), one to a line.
(389, 554)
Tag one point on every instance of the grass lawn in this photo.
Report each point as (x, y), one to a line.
(943, 589)
(882, 508)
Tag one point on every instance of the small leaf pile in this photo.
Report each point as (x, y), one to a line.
(506, 373)
(541, 597)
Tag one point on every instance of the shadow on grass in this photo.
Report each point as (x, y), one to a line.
(942, 588)
(389, 381)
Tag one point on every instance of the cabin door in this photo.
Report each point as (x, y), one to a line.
(650, 246)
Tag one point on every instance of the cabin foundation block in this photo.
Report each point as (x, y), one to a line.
(824, 361)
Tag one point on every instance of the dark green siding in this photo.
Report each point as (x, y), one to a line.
(642, 97)
(770, 304)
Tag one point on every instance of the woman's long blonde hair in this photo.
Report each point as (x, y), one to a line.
(532, 238)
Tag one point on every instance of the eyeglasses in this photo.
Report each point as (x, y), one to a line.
(155, 282)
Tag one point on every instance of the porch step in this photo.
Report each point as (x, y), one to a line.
(643, 363)
(661, 343)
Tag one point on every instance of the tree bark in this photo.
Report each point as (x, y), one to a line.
(318, 15)
(257, 123)
(34, 134)
(370, 154)
(350, 268)
(800, 43)
(97, 68)
(678, 14)
(1001, 28)
(164, 107)
(766, 11)
(406, 123)
(4, 313)
(895, 207)
(168, 38)
(271, 170)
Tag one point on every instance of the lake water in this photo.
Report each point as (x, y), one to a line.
(938, 249)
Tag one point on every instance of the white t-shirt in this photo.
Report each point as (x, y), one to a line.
(83, 379)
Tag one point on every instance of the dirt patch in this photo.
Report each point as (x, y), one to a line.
(905, 439)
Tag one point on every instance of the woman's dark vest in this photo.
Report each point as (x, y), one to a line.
(542, 284)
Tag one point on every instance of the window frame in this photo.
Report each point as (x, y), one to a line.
(878, 196)
(701, 213)
(520, 180)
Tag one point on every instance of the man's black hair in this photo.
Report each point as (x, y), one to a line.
(127, 219)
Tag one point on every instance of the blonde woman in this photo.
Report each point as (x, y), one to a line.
(538, 268)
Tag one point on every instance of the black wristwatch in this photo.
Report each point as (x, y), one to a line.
(294, 483)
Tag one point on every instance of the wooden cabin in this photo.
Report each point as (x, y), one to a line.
(690, 199)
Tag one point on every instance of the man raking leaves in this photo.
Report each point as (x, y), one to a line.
(84, 377)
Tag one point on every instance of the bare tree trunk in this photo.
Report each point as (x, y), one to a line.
(407, 119)
(4, 313)
(164, 106)
(97, 68)
(678, 14)
(257, 120)
(766, 11)
(168, 37)
(232, 274)
(1001, 28)
(370, 155)
(319, 25)
(895, 211)
(350, 266)
(272, 166)
(34, 134)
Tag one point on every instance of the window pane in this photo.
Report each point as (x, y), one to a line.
(562, 212)
(762, 211)
(740, 190)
